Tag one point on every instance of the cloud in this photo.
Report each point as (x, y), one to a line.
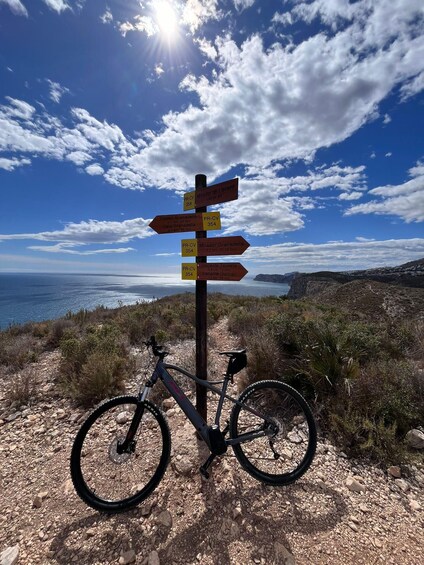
(269, 204)
(403, 200)
(57, 91)
(287, 102)
(89, 233)
(107, 17)
(286, 257)
(16, 6)
(243, 4)
(11, 164)
(94, 169)
(58, 6)
(197, 12)
(68, 248)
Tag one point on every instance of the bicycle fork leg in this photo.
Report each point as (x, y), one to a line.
(135, 422)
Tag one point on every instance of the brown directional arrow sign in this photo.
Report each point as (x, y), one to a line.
(213, 271)
(214, 194)
(173, 223)
(233, 245)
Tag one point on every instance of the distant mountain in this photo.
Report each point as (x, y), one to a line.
(409, 274)
(281, 279)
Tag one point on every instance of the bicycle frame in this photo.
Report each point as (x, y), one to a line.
(161, 371)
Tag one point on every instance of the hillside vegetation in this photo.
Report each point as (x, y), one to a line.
(363, 375)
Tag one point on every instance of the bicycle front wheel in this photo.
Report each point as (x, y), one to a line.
(286, 451)
(111, 481)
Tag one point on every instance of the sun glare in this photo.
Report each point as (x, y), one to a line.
(166, 19)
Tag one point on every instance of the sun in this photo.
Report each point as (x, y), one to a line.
(166, 19)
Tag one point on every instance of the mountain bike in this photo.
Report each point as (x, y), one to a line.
(121, 451)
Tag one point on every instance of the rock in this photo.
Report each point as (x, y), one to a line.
(354, 485)
(402, 484)
(182, 467)
(122, 418)
(165, 518)
(153, 558)
(414, 505)
(168, 403)
(415, 438)
(394, 471)
(36, 503)
(127, 557)
(353, 526)
(294, 437)
(10, 555)
(283, 555)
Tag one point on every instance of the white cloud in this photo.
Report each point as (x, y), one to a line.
(57, 5)
(69, 249)
(57, 90)
(140, 23)
(11, 164)
(90, 232)
(197, 12)
(243, 4)
(387, 119)
(159, 70)
(404, 200)
(16, 6)
(286, 103)
(269, 205)
(359, 254)
(94, 169)
(107, 17)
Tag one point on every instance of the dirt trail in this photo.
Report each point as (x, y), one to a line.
(229, 519)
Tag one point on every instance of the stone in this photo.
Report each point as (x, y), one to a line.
(402, 484)
(37, 501)
(127, 557)
(354, 485)
(414, 505)
(153, 558)
(182, 467)
(165, 518)
(10, 555)
(168, 403)
(122, 418)
(283, 555)
(394, 471)
(415, 438)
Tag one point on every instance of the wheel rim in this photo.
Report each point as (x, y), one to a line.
(113, 477)
(284, 451)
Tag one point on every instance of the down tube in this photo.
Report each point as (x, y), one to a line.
(185, 404)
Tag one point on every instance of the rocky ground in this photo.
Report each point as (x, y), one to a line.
(341, 512)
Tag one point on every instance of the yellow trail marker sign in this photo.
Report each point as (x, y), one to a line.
(174, 223)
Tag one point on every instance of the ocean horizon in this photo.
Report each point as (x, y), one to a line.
(34, 297)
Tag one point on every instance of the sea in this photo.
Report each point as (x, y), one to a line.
(26, 297)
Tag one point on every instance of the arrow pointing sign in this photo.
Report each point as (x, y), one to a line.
(214, 194)
(174, 223)
(233, 245)
(213, 271)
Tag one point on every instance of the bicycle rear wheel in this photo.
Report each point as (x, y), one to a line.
(110, 481)
(286, 453)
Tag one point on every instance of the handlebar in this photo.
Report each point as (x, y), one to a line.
(156, 349)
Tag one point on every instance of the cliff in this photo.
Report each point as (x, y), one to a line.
(309, 284)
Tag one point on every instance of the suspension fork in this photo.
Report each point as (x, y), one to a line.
(125, 446)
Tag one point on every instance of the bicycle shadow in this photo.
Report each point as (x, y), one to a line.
(257, 524)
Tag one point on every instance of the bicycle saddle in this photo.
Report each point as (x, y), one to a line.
(237, 362)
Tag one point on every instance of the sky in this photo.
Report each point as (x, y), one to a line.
(108, 110)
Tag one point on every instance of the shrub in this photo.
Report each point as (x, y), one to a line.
(22, 388)
(95, 365)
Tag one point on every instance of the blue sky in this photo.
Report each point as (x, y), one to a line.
(108, 110)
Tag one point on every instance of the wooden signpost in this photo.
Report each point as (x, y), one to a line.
(232, 245)
(213, 271)
(200, 247)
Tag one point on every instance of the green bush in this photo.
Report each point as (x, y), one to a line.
(96, 365)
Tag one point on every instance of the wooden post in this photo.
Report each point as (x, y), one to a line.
(201, 319)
